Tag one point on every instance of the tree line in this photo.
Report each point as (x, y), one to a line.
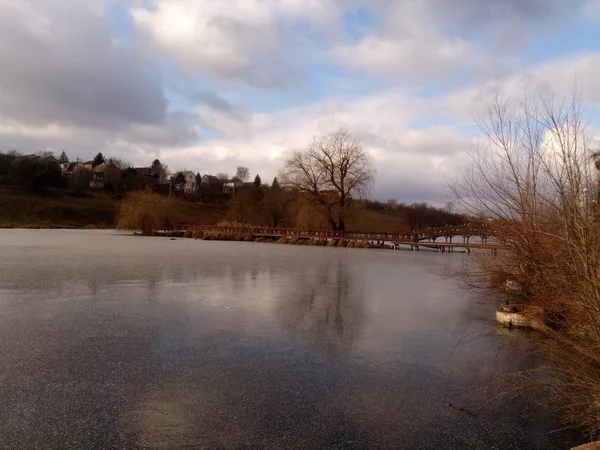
(323, 186)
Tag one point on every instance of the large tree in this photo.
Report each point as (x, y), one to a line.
(63, 158)
(179, 181)
(39, 173)
(274, 204)
(242, 173)
(330, 173)
(160, 170)
(6, 160)
(98, 159)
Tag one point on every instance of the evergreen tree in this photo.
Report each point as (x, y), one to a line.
(63, 158)
(160, 170)
(274, 204)
(198, 181)
(257, 181)
(98, 159)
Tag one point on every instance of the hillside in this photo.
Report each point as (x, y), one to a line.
(60, 209)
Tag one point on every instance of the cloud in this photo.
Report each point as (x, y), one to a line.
(446, 39)
(60, 66)
(592, 9)
(251, 41)
(66, 83)
(407, 160)
(562, 78)
(417, 144)
(412, 59)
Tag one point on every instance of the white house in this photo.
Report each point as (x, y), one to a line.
(189, 184)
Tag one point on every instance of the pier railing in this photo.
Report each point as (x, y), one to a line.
(430, 234)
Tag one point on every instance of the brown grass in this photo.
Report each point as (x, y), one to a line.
(145, 211)
(55, 209)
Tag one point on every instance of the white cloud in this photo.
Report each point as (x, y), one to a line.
(592, 9)
(413, 162)
(560, 77)
(407, 160)
(246, 40)
(417, 41)
(415, 58)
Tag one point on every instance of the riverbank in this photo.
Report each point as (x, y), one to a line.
(56, 209)
(245, 237)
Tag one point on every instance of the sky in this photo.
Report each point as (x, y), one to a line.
(208, 85)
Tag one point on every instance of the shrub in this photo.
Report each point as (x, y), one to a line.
(145, 211)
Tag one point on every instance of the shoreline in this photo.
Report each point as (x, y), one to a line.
(55, 227)
(245, 237)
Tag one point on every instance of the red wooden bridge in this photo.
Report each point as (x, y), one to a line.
(427, 238)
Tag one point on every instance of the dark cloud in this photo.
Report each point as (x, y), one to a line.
(478, 14)
(214, 101)
(62, 68)
(69, 71)
(491, 10)
(466, 18)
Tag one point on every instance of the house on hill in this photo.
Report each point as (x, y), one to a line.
(72, 168)
(103, 174)
(188, 181)
(209, 184)
(230, 186)
(144, 171)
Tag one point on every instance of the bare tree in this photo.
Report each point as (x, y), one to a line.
(222, 176)
(121, 164)
(45, 153)
(331, 172)
(533, 177)
(242, 173)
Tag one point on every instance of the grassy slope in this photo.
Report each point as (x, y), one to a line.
(60, 210)
(55, 209)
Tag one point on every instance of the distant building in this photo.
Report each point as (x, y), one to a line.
(144, 171)
(189, 183)
(70, 169)
(88, 165)
(104, 173)
(230, 186)
(209, 184)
